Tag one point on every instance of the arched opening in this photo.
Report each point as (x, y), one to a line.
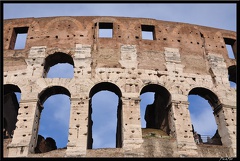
(104, 123)
(147, 98)
(54, 119)
(156, 113)
(58, 65)
(232, 72)
(203, 104)
(12, 94)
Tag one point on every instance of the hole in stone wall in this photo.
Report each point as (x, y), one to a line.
(148, 32)
(105, 108)
(19, 37)
(59, 65)
(229, 45)
(54, 118)
(105, 30)
(154, 114)
(232, 72)
(201, 114)
(104, 127)
(61, 70)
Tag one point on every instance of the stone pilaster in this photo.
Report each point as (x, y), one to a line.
(35, 61)
(182, 128)
(227, 127)
(131, 123)
(25, 135)
(77, 145)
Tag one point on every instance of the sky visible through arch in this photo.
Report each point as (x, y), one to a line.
(219, 15)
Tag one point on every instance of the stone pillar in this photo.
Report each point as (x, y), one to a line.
(182, 128)
(35, 61)
(82, 60)
(234, 48)
(227, 126)
(78, 126)
(25, 135)
(131, 123)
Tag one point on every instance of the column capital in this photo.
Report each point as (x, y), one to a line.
(228, 106)
(180, 102)
(79, 99)
(28, 101)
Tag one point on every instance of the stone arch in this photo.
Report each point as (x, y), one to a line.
(10, 109)
(47, 92)
(28, 22)
(42, 97)
(35, 25)
(69, 84)
(156, 114)
(112, 88)
(59, 19)
(8, 88)
(107, 19)
(187, 31)
(232, 72)
(53, 59)
(215, 104)
(104, 75)
(207, 94)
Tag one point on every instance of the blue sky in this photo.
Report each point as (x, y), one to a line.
(57, 107)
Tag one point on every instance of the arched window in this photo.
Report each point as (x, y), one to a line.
(58, 65)
(147, 98)
(105, 107)
(156, 113)
(203, 103)
(54, 119)
(232, 72)
(12, 94)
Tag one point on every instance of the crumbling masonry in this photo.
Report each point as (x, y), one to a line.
(178, 60)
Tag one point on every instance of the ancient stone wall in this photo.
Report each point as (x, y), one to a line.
(178, 60)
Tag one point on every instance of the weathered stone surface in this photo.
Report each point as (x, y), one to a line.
(181, 59)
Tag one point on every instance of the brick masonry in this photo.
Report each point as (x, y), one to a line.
(181, 59)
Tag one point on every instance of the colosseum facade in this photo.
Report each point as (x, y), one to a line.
(180, 59)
